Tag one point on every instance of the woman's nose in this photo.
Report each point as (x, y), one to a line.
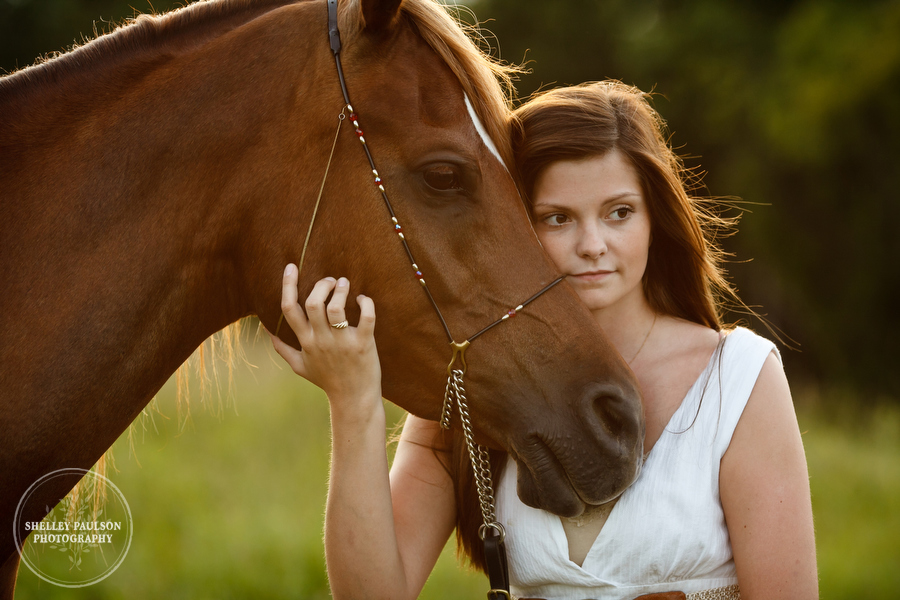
(591, 242)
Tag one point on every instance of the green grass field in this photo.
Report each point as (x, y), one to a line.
(231, 505)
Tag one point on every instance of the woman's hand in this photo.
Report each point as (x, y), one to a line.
(343, 362)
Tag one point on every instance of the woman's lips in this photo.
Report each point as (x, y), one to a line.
(592, 276)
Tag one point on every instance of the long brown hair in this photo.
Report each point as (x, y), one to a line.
(684, 276)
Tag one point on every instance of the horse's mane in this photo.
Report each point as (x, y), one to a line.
(486, 81)
(190, 24)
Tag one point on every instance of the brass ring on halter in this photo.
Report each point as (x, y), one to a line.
(459, 352)
(342, 325)
(500, 529)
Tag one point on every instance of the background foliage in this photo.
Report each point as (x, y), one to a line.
(789, 105)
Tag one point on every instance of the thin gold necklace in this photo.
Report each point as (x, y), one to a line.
(646, 337)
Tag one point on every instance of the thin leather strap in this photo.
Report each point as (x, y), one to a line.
(497, 567)
(312, 220)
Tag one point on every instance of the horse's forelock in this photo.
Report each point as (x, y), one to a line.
(486, 81)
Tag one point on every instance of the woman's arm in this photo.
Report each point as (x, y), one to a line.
(371, 549)
(383, 535)
(423, 498)
(764, 486)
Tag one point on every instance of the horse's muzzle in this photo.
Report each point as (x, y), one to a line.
(562, 467)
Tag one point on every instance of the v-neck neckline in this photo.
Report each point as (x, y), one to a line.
(557, 525)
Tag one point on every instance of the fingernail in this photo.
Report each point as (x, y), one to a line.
(331, 279)
(289, 270)
(343, 282)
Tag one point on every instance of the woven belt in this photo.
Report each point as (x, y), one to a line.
(731, 592)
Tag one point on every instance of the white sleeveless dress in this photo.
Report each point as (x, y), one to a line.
(667, 531)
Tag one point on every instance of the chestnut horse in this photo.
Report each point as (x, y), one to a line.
(156, 180)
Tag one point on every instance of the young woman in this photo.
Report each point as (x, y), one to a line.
(722, 507)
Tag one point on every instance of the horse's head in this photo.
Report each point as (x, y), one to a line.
(544, 385)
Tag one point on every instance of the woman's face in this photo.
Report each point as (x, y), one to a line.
(592, 218)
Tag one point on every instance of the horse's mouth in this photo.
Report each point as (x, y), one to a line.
(544, 482)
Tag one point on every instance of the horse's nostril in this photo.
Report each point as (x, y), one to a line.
(616, 410)
(609, 413)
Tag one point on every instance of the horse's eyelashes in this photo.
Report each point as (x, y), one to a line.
(443, 178)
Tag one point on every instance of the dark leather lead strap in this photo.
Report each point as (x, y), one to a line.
(497, 567)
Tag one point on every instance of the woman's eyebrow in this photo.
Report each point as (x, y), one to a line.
(614, 198)
(621, 195)
(551, 206)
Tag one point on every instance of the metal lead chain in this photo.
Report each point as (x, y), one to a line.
(447, 410)
(455, 393)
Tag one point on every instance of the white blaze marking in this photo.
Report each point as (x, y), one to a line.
(479, 127)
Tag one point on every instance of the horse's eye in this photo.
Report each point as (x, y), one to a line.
(442, 178)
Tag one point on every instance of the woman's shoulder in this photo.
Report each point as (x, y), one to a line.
(685, 343)
(749, 366)
(689, 353)
(695, 343)
(742, 344)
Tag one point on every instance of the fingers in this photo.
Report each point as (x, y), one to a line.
(343, 362)
(315, 305)
(317, 318)
(293, 357)
(338, 301)
(366, 315)
(293, 314)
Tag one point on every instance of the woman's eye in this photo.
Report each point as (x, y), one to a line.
(556, 220)
(620, 213)
(442, 178)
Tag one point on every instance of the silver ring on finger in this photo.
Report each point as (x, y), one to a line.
(342, 325)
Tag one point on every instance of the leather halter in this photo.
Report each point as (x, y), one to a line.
(491, 532)
(334, 37)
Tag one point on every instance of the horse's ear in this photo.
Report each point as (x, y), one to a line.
(378, 15)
